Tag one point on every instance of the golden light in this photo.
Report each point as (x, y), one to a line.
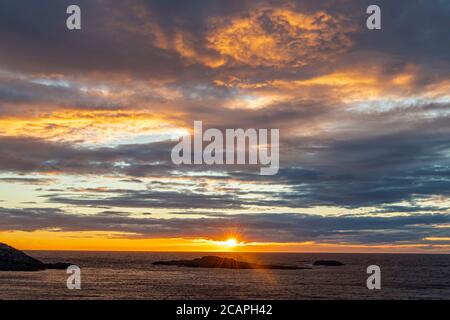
(231, 243)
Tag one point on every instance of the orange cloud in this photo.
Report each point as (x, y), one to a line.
(344, 85)
(279, 37)
(272, 37)
(96, 126)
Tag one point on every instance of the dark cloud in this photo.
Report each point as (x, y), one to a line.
(34, 155)
(415, 30)
(32, 181)
(255, 227)
(155, 199)
(138, 37)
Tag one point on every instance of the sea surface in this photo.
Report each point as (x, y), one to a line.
(122, 275)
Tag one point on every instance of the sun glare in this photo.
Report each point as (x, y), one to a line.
(231, 243)
(225, 244)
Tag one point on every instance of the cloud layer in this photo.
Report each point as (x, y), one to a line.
(88, 118)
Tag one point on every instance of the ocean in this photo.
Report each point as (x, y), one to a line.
(131, 275)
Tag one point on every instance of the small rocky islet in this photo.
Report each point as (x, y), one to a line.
(223, 263)
(228, 263)
(328, 263)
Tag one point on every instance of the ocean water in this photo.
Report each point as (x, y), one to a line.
(113, 275)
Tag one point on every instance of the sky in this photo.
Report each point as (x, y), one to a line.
(88, 119)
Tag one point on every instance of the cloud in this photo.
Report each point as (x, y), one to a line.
(253, 227)
(364, 170)
(32, 181)
(34, 155)
(154, 199)
(280, 37)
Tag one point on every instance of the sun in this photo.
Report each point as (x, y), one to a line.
(226, 244)
(231, 243)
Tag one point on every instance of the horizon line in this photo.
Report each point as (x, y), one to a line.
(240, 252)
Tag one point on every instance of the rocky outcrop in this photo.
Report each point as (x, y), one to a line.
(328, 263)
(14, 260)
(220, 262)
(58, 266)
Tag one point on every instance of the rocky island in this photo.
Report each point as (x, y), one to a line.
(15, 260)
(224, 263)
(328, 263)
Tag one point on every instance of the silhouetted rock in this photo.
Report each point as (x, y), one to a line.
(220, 262)
(14, 260)
(328, 263)
(59, 265)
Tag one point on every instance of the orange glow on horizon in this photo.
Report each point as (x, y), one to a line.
(104, 241)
